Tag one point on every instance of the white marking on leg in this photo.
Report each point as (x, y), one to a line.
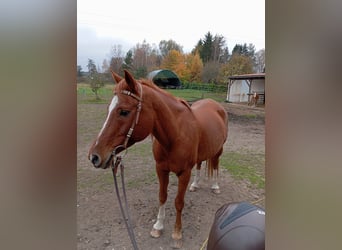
(195, 185)
(159, 225)
(111, 107)
(215, 185)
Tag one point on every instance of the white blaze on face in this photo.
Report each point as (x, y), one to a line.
(111, 107)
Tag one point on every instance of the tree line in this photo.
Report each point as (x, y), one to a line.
(209, 62)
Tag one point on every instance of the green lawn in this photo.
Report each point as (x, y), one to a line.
(192, 94)
(85, 94)
(245, 166)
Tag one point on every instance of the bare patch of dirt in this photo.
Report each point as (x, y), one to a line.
(99, 222)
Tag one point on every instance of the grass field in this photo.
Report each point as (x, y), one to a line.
(85, 94)
(245, 166)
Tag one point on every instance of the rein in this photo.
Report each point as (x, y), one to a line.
(117, 162)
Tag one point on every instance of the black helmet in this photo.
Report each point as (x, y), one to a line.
(238, 226)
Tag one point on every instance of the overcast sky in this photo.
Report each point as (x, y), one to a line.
(103, 23)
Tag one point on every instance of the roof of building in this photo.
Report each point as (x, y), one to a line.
(164, 78)
(248, 76)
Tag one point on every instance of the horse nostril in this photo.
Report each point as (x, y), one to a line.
(95, 159)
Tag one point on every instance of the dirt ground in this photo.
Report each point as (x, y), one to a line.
(99, 222)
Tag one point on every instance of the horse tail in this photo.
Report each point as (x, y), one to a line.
(213, 163)
(210, 167)
(224, 116)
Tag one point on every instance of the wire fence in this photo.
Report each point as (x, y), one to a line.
(205, 87)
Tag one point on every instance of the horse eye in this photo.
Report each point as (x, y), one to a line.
(124, 112)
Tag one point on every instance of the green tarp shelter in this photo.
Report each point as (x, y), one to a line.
(164, 78)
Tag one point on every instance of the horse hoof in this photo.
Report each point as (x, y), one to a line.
(177, 244)
(156, 233)
(177, 236)
(216, 191)
(192, 188)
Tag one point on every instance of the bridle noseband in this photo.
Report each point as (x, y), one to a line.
(130, 131)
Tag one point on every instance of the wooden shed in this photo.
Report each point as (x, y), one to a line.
(241, 87)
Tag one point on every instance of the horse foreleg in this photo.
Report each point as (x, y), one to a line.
(183, 181)
(163, 183)
(194, 185)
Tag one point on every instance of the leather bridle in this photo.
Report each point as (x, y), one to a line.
(135, 121)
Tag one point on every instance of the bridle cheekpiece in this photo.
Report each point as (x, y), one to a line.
(130, 131)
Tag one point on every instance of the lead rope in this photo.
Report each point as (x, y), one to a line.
(117, 161)
(125, 214)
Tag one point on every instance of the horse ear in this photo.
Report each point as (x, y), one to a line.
(132, 84)
(116, 77)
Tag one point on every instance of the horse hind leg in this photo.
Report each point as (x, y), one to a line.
(213, 171)
(215, 187)
(195, 184)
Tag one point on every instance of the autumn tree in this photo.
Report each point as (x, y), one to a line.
(194, 66)
(145, 59)
(105, 66)
(248, 51)
(260, 61)
(175, 61)
(106, 76)
(140, 53)
(94, 78)
(210, 72)
(219, 49)
(225, 55)
(91, 67)
(237, 65)
(166, 46)
(116, 58)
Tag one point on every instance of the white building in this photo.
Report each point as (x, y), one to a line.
(241, 87)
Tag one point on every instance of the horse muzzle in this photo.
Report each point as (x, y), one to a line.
(96, 160)
(98, 163)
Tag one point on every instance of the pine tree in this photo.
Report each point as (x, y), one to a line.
(207, 48)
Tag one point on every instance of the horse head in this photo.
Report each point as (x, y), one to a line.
(127, 121)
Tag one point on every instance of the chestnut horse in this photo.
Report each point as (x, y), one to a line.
(183, 136)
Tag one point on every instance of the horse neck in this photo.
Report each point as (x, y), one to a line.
(166, 111)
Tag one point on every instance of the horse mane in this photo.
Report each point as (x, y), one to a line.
(149, 83)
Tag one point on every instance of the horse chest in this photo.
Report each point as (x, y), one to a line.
(176, 157)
